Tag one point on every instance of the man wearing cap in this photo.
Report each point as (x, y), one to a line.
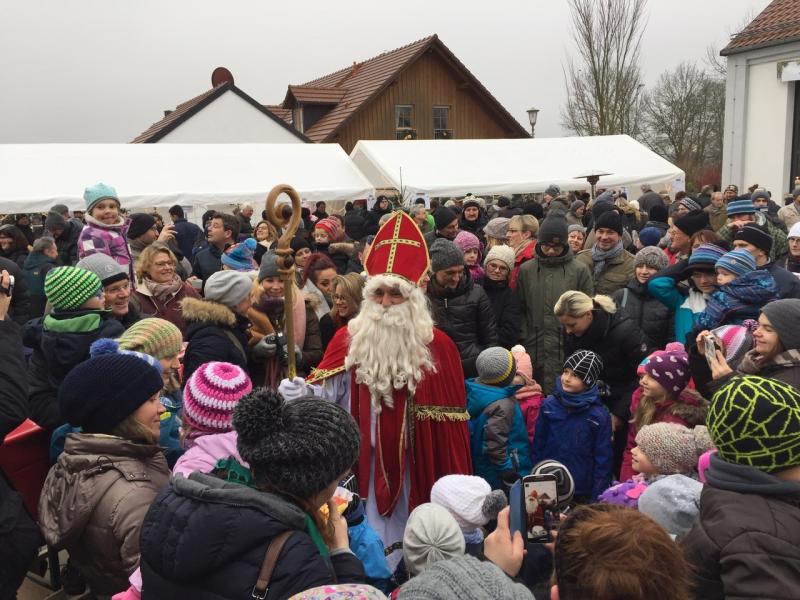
(445, 226)
(66, 234)
(401, 378)
(610, 264)
(681, 232)
(758, 242)
(790, 214)
(462, 308)
(731, 192)
(741, 212)
(116, 285)
(61, 339)
(553, 271)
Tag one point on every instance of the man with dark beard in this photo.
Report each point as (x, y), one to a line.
(402, 381)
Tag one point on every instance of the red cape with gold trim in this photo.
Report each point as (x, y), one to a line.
(333, 361)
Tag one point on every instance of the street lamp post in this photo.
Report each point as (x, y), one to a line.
(533, 114)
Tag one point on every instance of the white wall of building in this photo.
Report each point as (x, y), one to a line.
(227, 120)
(758, 120)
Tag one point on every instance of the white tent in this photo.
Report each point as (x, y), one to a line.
(33, 177)
(515, 166)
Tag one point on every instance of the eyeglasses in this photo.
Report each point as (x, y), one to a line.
(165, 265)
(339, 298)
(494, 267)
(509, 230)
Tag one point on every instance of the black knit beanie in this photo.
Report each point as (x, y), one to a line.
(553, 230)
(659, 213)
(692, 222)
(299, 447)
(610, 219)
(755, 235)
(443, 216)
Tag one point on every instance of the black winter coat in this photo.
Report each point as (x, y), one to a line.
(214, 333)
(20, 311)
(186, 234)
(787, 282)
(207, 262)
(57, 348)
(653, 319)
(617, 340)
(746, 542)
(355, 226)
(67, 244)
(466, 316)
(205, 539)
(505, 305)
(372, 219)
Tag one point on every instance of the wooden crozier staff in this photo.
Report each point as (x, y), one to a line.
(286, 218)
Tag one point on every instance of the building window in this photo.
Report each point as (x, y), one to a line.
(403, 116)
(441, 123)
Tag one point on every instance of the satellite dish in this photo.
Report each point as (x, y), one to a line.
(221, 75)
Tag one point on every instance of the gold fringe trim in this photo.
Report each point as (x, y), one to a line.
(317, 374)
(440, 413)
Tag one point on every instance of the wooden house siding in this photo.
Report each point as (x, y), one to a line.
(426, 83)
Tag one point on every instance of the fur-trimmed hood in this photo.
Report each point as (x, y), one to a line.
(692, 408)
(346, 248)
(196, 310)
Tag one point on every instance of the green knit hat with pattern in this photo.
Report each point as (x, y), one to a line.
(70, 287)
(153, 336)
(755, 421)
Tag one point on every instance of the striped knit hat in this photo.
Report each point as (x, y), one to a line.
(70, 287)
(211, 395)
(586, 365)
(741, 207)
(330, 226)
(739, 262)
(754, 421)
(154, 336)
(496, 366)
(705, 257)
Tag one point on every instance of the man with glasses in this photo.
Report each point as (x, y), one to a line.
(553, 271)
(116, 285)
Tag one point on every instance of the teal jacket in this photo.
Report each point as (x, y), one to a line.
(498, 437)
(663, 286)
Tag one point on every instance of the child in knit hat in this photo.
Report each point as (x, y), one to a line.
(750, 506)
(661, 449)
(741, 293)
(499, 439)
(574, 427)
(662, 396)
(106, 229)
(529, 396)
(61, 339)
(471, 247)
(239, 257)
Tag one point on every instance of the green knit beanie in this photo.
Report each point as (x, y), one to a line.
(153, 336)
(755, 421)
(70, 287)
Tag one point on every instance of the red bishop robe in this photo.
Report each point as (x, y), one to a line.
(433, 423)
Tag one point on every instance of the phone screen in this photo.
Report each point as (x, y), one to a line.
(710, 348)
(540, 497)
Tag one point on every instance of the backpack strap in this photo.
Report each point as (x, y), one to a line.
(235, 341)
(624, 297)
(261, 588)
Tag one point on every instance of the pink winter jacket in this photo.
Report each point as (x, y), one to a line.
(111, 240)
(530, 396)
(206, 451)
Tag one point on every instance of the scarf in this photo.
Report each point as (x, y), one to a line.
(578, 401)
(164, 291)
(601, 257)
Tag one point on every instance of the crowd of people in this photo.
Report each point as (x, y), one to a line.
(643, 354)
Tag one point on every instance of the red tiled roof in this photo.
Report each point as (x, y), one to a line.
(362, 81)
(779, 22)
(284, 114)
(160, 128)
(317, 95)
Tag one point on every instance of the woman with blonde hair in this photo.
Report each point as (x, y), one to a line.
(266, 237)
(270, 349)
(159, 289)
(347, 297)
(521, 236)
(593, 323)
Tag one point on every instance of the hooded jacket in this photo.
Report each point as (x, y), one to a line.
(619, 343)
(206, 539)
(67, 243)
(99, 238)
(687, 409)
(746, 542)
(60, 341)
(94, 500)
(498, 437)
(575, 429)
(214, 333)
(465, 315)
(35, 269)
(541, 283)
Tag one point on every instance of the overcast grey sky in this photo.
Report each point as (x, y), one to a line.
(104, 70)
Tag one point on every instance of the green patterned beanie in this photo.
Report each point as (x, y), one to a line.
(755, 421)
(70, 287)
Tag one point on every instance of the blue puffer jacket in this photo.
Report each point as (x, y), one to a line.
(575, 429)
(499, 439)
(738, 300)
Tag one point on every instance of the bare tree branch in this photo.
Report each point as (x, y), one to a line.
(604, 83)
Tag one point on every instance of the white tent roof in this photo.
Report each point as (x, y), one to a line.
(33, 177)
(514, 166)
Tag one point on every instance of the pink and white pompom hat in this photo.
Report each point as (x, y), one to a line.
(211, 395)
